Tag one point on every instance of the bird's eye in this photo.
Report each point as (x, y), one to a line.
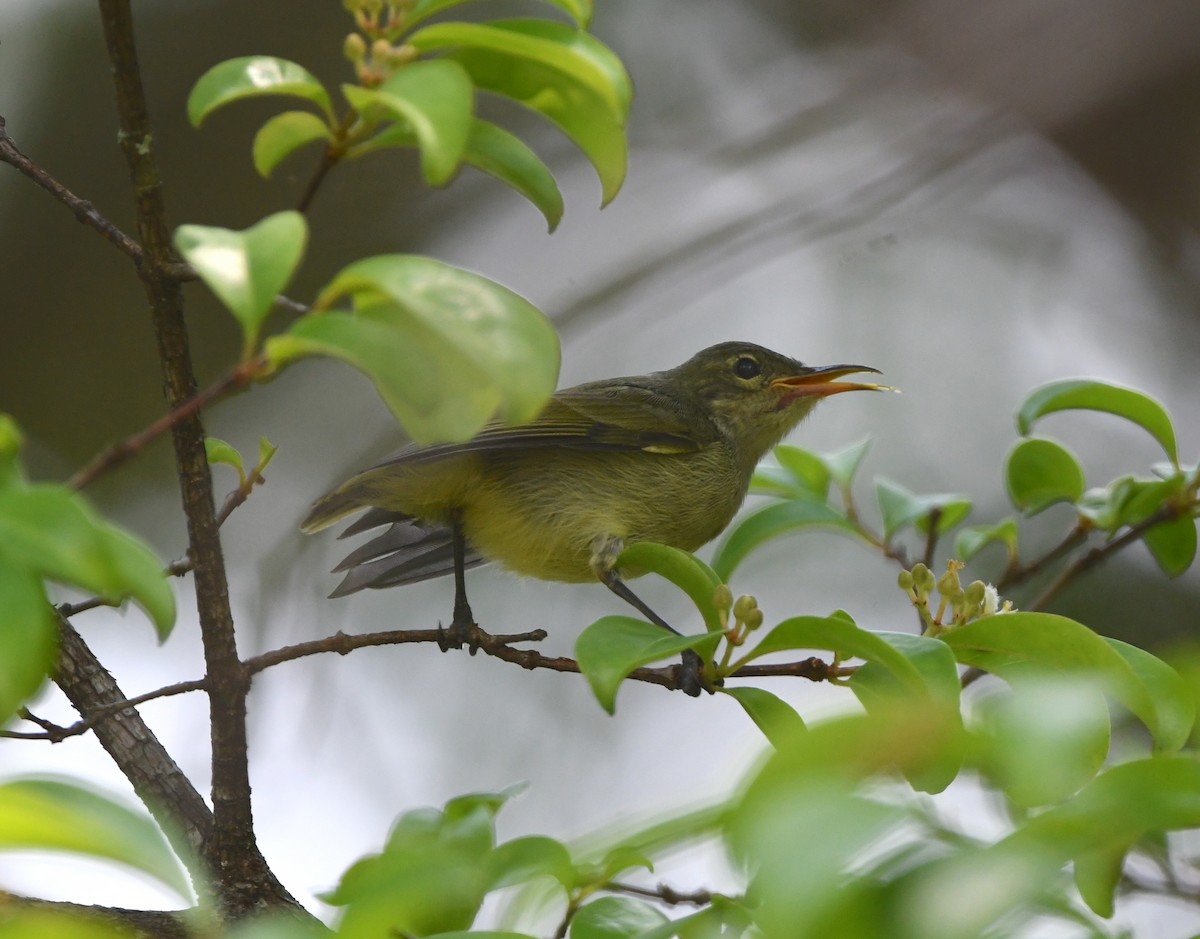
(746, 367)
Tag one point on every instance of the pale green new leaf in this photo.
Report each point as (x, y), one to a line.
(246, 269)
(283, 135)
(250, 77)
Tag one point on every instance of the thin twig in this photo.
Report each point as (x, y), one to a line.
(83, 210)
(56, 733)
(1018, 573)
(1101, 553)
(117, 453)
(664, 894)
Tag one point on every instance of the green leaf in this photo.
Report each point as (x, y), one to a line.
(253, 76)
(843, 464)
(59, 924)
(579, 10)
(1097, 874)
(1117, 809)
(615, 918)
(875, 686)
(1011, 644)
(1039, 473)
(523, 859)
(573, 54)
(434, 99)
(901, 508)
(218, 451)
(54, 815)
(612, 647)
(1102, 506)
(445, 348)
(771, 521)
(494, 151)
(839, 635)
(1047, 738)
(246, 269)
(970, 541)
(776, 718)
(283, 135)
(1173, 700)
(498, 153)
(50, 531)
(575, 108)
(28, 636)
(1087, 395)
(480, 934)
(684, 570)
(266, 453)
(1172, 545)
(809, 470)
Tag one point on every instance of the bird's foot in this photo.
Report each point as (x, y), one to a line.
(462, 632)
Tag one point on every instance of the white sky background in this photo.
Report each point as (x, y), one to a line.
(865, 215)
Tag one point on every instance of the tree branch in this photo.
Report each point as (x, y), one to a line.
(1100, 553)
(244, 883)
(157, 780)
(143, 924)
(83, 210)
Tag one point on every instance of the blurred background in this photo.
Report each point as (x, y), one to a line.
(974, 198)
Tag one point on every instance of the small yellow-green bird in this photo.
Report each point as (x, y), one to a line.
(665, 457)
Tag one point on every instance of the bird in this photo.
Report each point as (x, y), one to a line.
(665, 457)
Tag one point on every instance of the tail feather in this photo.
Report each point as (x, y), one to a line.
(406, 553)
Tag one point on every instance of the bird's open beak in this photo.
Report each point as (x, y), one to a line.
(821, 382)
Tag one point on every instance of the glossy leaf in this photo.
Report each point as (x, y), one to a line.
(52, 815)
(615, 918)
(574, 54)
(1011, 644)
(1047, 738)
(875, 686)
(523, 859)
(1174, 702)
(809, 470)
(445, 348)
(28, 636)
(493, 151)
(612, 647)
(901, 508)
(772, 521)
(1083, 394)
(844, 464)
(579, 112)
(246, 269)
(838, 634)
(813, 785)
(1117, 809)
(1039, 473)
(579, 10)
(498, 153)
(253, 76)
(684, 570)
(1103, 505)
(434, 99)
(970, 541)
(51, 532)
(283, 135)
(776, 718)
(1173, 545)
(773, 480)
(218, 451)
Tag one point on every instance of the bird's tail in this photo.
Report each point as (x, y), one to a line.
(331, 507)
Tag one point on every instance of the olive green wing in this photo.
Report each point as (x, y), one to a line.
(599, 416)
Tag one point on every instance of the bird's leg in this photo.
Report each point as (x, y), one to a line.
(605, 550)
(464, 619)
